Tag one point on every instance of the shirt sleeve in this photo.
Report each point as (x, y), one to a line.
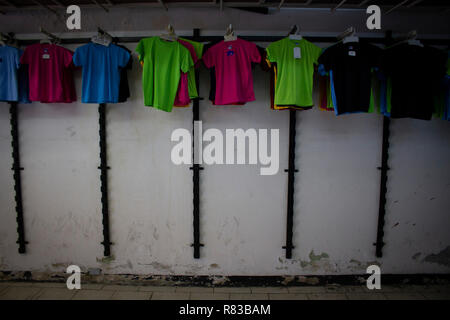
(24, 59)
(272, 52)
(17, 56)
(67, 58)
(315, 53)
(254, 54)
(186, 62)
(79, 57)
(123, 57)
(208, 58)
(140, 49)
(325, 60)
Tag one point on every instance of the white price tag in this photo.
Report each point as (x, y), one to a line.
(352, 53)
(297, 53)
(46, 56)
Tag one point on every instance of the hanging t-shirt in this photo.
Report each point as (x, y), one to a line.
(163, 63)
(101, 71)
(232, 61)
(124, 89)
(295, 69)
(415, 73)
(50, 73)
(192, 84)
(350, 67)
(11, 75)
(183, 96)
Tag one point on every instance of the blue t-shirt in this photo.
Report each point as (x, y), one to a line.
(13, 83)
(101, 71)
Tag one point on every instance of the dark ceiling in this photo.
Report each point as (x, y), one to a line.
(386, 5)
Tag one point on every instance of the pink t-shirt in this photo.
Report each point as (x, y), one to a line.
(50, 73)
(182, 98)
(232, 61)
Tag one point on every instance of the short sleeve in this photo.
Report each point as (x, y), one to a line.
(272, 52)
(67, 58)
(24, 59)
(79, 56)
(122, 57)
(254, 54)
(326, 60)
(315, 53)
(140, 50)
(186, 62)
(17, 57)
(208, 58)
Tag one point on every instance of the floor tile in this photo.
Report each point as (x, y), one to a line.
(366, 296)
(194, 289)
(437, 296)
(157, 289)
(306, 290)
(19, 293)
(269, 290)
(404, 296)
(170, 296)
(131, 295)
(232, 290)
(209, 296)
(120, 288)
(327, 296)
(92, 294)
(288, 296)
(55, 294)
(249, 296)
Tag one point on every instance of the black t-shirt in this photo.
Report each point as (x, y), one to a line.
(415, 74)
(351, 66)
(124, 89)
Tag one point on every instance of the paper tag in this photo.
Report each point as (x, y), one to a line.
(352, 53)
(297, 53)
(46, 56)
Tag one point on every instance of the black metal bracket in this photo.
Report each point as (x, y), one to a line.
(290, 198)
(196, 168)
(16, 167)
(104, 180)
(379, 244)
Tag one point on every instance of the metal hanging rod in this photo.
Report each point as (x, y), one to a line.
(50, 35)
(317, 39)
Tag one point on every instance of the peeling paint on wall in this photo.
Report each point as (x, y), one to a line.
(443, 257)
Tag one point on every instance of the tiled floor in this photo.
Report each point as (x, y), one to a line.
(58, 291)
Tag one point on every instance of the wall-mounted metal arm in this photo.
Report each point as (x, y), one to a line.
(17, 177)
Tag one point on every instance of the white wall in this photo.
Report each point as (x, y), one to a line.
(243, 214)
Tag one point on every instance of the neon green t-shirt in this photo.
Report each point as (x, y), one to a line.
(163, 63)
(295, 74)
(192, 85)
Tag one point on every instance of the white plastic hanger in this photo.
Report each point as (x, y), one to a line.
(296, 35)
(170, 35)
(229, 35)
(102, 38)
(415, 42)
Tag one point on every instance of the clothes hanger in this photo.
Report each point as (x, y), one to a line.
(102, 37)
(410, 39)
(229, 35)
(170, 35)
(294, 34)
(348, 36)
(51, 38)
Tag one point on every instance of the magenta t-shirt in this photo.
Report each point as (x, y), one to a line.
(50, 73)
(232, 61)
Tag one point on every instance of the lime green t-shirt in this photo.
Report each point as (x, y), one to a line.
(163, 63)
(295, 74)
(192, 85)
